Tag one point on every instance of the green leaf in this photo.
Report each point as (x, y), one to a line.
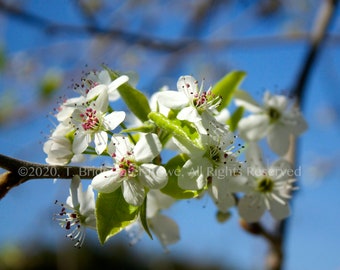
(147, 127)
(113, 214)
(173, 168)
(184, 131)
(134, 99)
(227, 86)
(143, 218)
(235, 118)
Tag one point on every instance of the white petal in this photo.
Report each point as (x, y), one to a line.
(119, 145)
(173, 99)
(106, 182)
(281, 169)
(251, 208)
(165, 229)
(133, 192)
(221, 194)
(278, 210)
(102, 102)
(81, 142)
(278, 102)
(194, 174)
(147, 148)
(156, 201)
(190, 114)
(100, 140)
(294, 122)
(118, 82)
(254, 127)
(96, 91)
(113, 120)
(254, 156)
(87, 206)
(153, 176)
(222, 116)
(74, 188)
(278, 139)
(243, 99)
(104, 77)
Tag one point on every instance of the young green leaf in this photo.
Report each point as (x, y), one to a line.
(134, 99)
(113, 214)
(146, 127)
(227, 86)
(143, 218)
(235, 118)
(184, 131)
(173, 168)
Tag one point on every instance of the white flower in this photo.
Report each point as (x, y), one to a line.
(165, 228)
(269, 188)
(59, 146)
(94, 84)
(189, 100)
(272, 120)
(215, 167)
(68, 106)
(133, 170)
(107, 86)
(78, 213)
(92, 120)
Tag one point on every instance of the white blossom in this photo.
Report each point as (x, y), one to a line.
(59, 146)
(268, 188)
(93, 121)
(273, 120)
(133, 170)
(78, 213)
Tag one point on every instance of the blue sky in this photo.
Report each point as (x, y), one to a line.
(314, 237)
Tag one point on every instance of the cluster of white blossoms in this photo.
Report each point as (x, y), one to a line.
(140, 181)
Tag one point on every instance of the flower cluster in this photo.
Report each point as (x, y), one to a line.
(140, 180)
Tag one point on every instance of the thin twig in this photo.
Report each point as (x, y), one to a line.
(275, 259)
(19, 171)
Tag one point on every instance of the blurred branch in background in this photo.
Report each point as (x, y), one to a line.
(190, 43)
(318, 35)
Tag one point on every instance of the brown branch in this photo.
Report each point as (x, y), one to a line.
(275, 258)
(129, 37)
(144, 40)
(19, 171)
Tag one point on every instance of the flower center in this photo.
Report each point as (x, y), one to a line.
(71, 220)
(127, 166)
(265, 184)
(214, 153)
(89, 119)
(206, 100)
(274, 114)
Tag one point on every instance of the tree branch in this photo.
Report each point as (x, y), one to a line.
(19, 171)
(326, 13)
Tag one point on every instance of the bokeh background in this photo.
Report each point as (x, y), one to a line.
(46, 46)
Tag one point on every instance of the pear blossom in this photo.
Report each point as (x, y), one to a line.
(94, 84)
(133, 170)
(109, 87)
(214, 166)
(273, 120)
(268, 188)
(189, 100)
(59, 146)
(78, 213)
(93, 120)
(164, 227)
